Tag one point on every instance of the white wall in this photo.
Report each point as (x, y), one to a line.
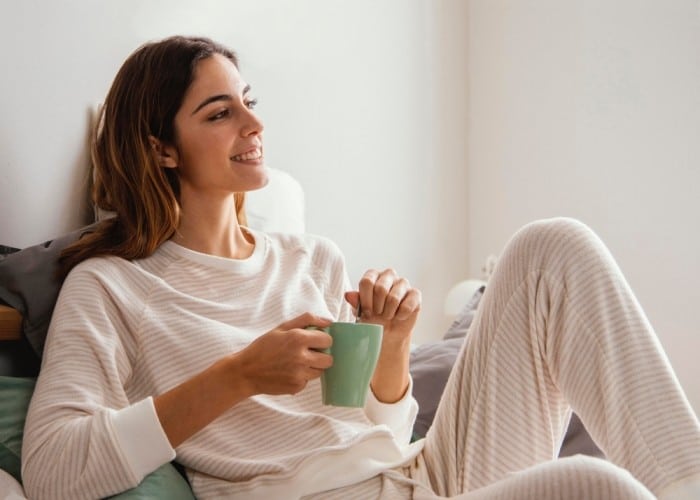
(592, 110)
(382, 109)
(353, 95)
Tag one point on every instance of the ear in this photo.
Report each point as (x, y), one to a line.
(166, 154)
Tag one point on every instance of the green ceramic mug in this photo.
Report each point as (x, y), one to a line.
(355, 351)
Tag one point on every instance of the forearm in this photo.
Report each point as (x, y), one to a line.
(281, 361)
(384, 298)
(189, 407)
(390, 379)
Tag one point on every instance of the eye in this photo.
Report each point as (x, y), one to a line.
(250, 104)
(218, 116)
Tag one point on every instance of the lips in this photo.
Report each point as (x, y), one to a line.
(253, 154)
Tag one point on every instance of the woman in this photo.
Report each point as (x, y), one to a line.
(180, 333)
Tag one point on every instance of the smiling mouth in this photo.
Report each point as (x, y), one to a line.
(255, 154)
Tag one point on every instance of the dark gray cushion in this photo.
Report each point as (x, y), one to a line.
(578, 441)
(28, 283)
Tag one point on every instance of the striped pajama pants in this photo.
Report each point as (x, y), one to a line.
(558, 328)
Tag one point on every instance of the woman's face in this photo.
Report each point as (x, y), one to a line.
(218, 138)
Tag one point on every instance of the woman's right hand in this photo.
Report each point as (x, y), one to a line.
(282, 361)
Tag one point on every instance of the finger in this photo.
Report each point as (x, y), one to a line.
(353, 298)
(410, 305)
(382, 287)
(396, 296)
(312, 373)
(318, 339)
(305, 320)
(319, 360)
(366, 291)
(311, 339)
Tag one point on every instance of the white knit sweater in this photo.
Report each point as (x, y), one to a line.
(125, 331)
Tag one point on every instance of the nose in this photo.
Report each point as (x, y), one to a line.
(253, 124)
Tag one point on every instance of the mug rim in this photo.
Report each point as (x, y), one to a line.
(357, 323)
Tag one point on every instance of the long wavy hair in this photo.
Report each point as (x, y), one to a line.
(128, 179)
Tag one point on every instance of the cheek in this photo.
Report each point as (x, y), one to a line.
(195, 148)
(203, 157)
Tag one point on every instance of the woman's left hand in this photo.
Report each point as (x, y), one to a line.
(389, 300)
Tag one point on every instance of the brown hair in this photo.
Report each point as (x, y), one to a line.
(128, 179)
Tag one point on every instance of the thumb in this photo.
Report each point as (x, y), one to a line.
(304, 321)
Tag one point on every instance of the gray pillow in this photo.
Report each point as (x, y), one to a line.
(28, 283)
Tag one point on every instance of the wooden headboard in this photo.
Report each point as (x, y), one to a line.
(10, 323)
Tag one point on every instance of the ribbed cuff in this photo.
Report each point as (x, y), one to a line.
(141, 437)
(399, 416)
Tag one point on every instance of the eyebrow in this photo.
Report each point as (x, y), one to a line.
(219, 97)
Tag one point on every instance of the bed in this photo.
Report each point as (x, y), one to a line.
(28, 292)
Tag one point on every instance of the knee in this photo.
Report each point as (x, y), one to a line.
(603, 479)
(559, 235)
(578, 477)
(557, 228)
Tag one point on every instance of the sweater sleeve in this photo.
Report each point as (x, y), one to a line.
(333, 277)
(80, 433)
(399, 416)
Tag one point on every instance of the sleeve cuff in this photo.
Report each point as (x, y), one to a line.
(141, 437)
(399, 416)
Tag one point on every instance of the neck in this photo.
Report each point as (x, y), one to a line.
(213, 228)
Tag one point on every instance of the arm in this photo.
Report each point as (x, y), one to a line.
(391, 302)
(390, 400)
(70, 448)
(84, 438)
(279, 362)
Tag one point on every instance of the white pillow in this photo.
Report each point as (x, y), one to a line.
(277, 207)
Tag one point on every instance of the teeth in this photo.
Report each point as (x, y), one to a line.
(256, 154)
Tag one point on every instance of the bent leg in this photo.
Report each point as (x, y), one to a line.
(573, 478)
(558, 326)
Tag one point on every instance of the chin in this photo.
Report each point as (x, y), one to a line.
(258, 180)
